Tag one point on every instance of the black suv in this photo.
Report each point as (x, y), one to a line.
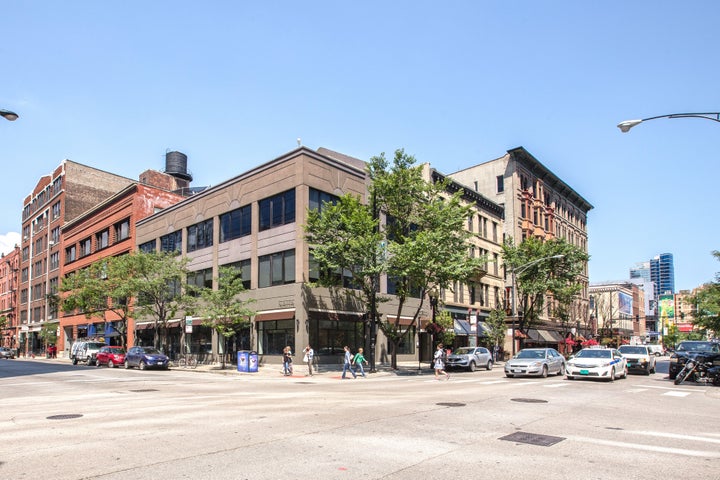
(680, 356)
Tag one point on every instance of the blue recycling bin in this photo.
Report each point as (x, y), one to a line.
(243, 360)
(252, 362)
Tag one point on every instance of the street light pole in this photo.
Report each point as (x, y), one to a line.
(628, 124)
(514, 273)
(12, 116)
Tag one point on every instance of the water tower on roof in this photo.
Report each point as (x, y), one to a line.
(176, 165)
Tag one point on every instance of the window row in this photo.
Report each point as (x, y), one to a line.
(102, 240)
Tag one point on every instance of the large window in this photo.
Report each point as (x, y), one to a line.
(235, 224)
(276, 269)
(122, 230)
(102, 239)
(275, 335)
(244, 267)
(317, 198)
(148, 247)
(200, 279)
(200, 235)
(171, 242)
(85, 247)
(70, 254)
(328, 337)
(277, 210)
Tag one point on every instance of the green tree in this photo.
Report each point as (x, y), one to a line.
(422, 243)
(496, 327)
(135, 285)
(223, 310)
(543, 269)
(48, 334)
(707, 303)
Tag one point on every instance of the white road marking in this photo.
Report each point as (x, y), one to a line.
(556, 385)
(649, 448)
(676, 394)
(676, 436)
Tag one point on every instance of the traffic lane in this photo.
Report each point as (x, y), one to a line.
(180, 425)
(26, 367)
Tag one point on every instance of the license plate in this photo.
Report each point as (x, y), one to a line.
(517, 370)
(630, 364)
(584, 372)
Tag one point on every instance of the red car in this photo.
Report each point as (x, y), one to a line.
(110, 356)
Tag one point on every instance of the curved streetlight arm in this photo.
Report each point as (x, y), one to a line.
(628, 124)
(12, 116)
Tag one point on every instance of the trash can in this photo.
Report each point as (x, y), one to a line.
(252, 362)
(243, 358)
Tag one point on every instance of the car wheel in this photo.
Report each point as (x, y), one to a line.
(570, 377)
(509, 375)
(127, 364)
(142, 365)
(625, 373)
(471, 367)
(544, 373)
(74, 362)
(97, 364)
(611, 378)
(652, 371)
(562, 369)
(489, 365)
(111, 364)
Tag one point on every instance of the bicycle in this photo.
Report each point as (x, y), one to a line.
(185, 361)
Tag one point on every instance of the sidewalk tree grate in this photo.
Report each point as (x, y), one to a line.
(528, 400)
(67, 416)
(533, 439)
(450, 404)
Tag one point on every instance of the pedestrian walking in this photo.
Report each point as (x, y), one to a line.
(358, 361)
(287, 361)
(347, 363)
(308, 358)
(440, 363)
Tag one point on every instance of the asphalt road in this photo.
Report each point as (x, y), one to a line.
(60, 421)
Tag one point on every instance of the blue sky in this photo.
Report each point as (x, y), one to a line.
(233, 84)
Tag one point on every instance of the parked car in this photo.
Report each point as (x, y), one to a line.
(680, 356)
(110, 356)
(603, 363)
(535, 361)
(84, 351)
(7, 352)
(145, 357)
(470, 358)
(639, 358)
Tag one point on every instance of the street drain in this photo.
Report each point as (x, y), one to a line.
(450, 404)
(528, 400)
(143, 390)
(67, 416)
(532, 439)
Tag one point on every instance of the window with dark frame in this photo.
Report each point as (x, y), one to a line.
(236, 223)
(276, 269)
(277, 210)
(200, 235)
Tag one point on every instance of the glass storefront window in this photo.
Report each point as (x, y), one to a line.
(275, 335)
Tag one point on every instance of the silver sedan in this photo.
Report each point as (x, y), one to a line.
(535, 361)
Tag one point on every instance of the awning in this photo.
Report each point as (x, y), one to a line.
(483, 330)
(462, 327)
(287, 314)
(544, 336)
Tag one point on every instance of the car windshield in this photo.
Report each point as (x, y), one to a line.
(152, 351)
(594, 354)
(116, 350)
(633, 350)
(531, 354)
(463, 351)
(96, 345)
(697, 347)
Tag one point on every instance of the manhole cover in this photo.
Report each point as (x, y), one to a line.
(305, 383)
(66, 416)
(528, 400)
(450, 404)
(532, 439)
(143, 390)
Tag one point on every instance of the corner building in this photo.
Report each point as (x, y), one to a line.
(536, 203)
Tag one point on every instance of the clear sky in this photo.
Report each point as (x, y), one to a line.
(232, 84)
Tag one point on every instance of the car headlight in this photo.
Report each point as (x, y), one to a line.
(536, 364)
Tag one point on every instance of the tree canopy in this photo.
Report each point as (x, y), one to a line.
(707, 302)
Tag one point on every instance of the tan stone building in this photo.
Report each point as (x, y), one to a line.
(536, 203)
(255, 220)
(617, 313)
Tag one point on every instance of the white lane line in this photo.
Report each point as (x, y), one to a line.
(649, 448)
(493, 382)
(676, 389)
(557, 385)
(676, 394)
(676, 436)
(636, 390)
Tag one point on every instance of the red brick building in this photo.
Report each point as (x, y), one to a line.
(9, 267)
(108, 230)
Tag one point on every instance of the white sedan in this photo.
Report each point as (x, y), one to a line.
(603, 363)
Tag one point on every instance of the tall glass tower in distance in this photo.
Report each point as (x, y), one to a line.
(662, 272)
